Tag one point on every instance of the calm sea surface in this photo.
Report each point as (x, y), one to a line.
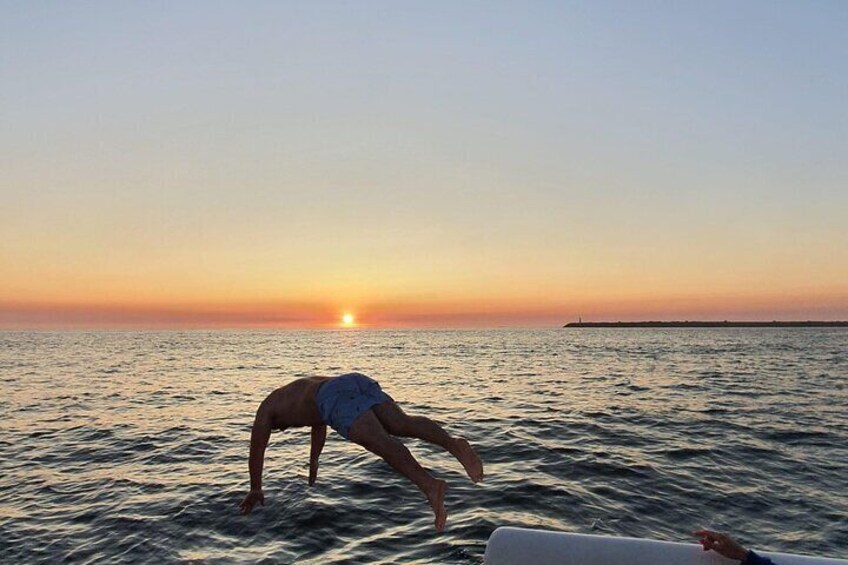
(132, 446)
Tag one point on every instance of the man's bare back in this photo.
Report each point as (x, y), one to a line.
(293, 405)
(356, 407)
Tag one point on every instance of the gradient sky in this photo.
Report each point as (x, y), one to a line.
(422, 164)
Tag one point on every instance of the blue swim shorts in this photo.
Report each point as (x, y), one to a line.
(341, 400)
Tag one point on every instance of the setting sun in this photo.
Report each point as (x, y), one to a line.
(347, 320)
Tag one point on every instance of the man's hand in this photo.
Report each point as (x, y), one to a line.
(722, 544)
(313, 472)
(250, 501)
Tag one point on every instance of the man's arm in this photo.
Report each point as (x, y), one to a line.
(258, 442)
(259, 437)
(319, 434)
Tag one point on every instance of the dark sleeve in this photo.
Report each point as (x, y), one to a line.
(754, 559)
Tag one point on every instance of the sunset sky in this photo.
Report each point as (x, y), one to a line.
(279, 164)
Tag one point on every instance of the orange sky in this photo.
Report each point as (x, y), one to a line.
(407, 314)
(214, 166)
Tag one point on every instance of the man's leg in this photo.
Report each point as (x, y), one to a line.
(397, 423)
(368, 432)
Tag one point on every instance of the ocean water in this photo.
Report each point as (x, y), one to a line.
(132, 446)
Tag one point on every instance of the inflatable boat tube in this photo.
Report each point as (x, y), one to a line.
(521, 546)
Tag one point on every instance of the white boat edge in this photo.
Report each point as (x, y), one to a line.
(510, 545)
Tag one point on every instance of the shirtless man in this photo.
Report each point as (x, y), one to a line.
(355, 406)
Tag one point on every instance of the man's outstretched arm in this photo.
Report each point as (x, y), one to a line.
(319, 434)
(258, 442)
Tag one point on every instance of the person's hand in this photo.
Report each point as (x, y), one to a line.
(313, 472)
(250, 501)
(722, 544)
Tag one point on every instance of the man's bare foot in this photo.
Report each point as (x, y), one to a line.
(469, 459)
(436, 497)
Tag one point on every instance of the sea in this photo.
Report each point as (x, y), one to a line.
(131, 446)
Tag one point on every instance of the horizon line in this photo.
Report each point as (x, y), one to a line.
(391, 327)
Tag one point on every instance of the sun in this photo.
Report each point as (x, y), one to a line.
(348, 320)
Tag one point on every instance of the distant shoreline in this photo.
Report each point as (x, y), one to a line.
(697, 324)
